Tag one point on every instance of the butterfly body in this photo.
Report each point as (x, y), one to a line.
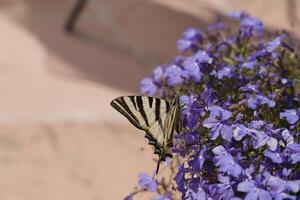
(159, 118)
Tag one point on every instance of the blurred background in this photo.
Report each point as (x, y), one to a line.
(59, 137)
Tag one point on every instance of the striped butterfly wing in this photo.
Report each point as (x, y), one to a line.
(156, 116)
(141, 111)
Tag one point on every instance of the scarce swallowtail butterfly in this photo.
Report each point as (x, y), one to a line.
(159, 118)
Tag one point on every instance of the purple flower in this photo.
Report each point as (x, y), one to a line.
(219, 126)
(287, 138)
(240, 131)
(224, 188)
(158, 74)
(226, 162)
(262, 138)
(250, 23)
(184, 44)
(191, 70)
(279, 185)
(255, 101)
(224, 72)
(249, 65)
(291, 116)
(195, 195)
(180, 180)
(145, 181)
(173, 75)
(190, 39)
(192, 34)
(148, 87)
(198, 160)
(274, 156)
(293, 152)
(191, 110)
(254, 192)
(250, 88)
(271, 46)
(203, 57)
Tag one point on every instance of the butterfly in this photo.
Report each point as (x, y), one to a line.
(159, 118)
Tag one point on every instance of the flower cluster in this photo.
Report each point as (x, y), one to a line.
(240, 98)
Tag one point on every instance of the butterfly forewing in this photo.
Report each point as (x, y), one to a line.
(141, 111)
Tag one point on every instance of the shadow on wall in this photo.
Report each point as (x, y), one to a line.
(116, 42)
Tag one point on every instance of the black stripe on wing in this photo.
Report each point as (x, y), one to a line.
(120, 105)
(140, 105)
(158, 149)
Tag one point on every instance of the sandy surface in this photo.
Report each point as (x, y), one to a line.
(59, 138)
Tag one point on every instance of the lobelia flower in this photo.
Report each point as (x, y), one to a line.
(219, 127)
(173, 75)
(293, 152)
(145, 181)
(224, 188)
(191, 70)
(226, 162)
(191, 37)
(148, 87)
(274, 156)
(202, 57)
(271, 46)
(290, 115)
(191, 110)
(158, 73)
(255, 101)
(254, 190)
(198, 160)
(267, 136)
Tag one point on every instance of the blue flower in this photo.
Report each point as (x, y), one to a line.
(148, 87)
(184, 44)
(224, 188)
(145, 181)
(195, 195)
(224, 72)
(249, 24)
(293, 152)
(271, 46)
(226, 162)
(192, 34)
(190, 39)
(240, 131)
(198, 160)
(221, 126)
(203, 57)
(173, 74)
(249, 65)
(291, 116)
(279, 185)
(191, 70)
(158, 74)
(274, 156)
(180, 180)
(257, 100)
(262, 138)
(254, 192)
(191, 110)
